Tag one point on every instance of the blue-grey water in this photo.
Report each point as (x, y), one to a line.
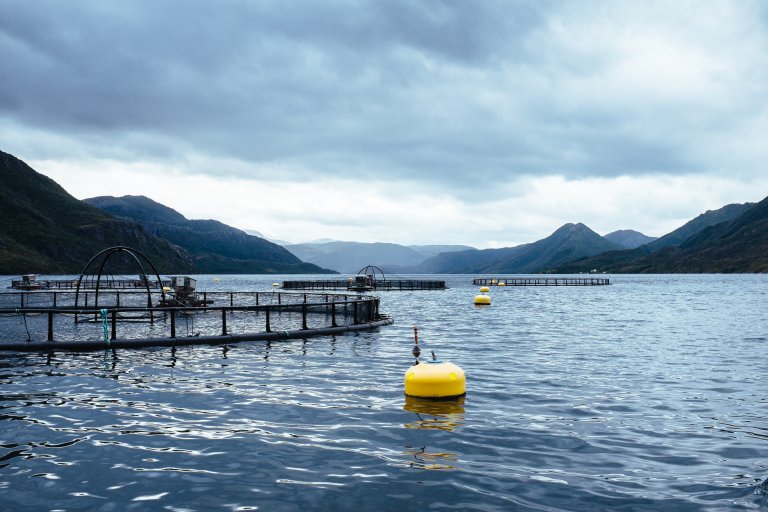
(648, 394)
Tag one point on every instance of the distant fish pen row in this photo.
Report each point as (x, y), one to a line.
(371, 285)
(30, 282)
(541, 281)
(30, 322)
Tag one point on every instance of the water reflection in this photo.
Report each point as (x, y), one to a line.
(435, 414)
(442, 415)
(422, 459)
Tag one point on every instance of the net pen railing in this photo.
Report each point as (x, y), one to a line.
(32, 318)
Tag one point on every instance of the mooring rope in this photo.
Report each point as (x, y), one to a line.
(105, 326)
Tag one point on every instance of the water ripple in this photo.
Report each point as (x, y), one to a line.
(644, 395)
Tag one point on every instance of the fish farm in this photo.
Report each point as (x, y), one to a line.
(124, 320)
(369, 278)
(170, 313)
(541, 281)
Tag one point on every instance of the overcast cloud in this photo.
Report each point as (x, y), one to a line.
(485, 123)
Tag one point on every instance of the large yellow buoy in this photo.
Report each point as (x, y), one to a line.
(435, 379)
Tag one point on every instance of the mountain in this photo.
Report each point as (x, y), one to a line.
(709, 218)
(46, 230)
(430, 251)
(349, 257)
(739, 245)
(215, 247)
(628, 238)
(659, 256)
(569, 242)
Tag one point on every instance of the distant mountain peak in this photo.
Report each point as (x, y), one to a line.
(629, 238)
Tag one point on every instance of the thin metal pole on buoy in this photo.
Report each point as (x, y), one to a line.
(416, 350)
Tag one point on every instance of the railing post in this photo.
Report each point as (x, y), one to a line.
(266, 311)
(354, 321)
(114, 323)
(333, 314)
(304, 316)
(223, 322)
(50, 326)
(173, 323)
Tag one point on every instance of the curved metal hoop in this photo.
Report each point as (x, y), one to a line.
(371, 270)
(107, 253)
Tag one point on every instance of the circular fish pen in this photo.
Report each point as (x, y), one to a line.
(64, 320)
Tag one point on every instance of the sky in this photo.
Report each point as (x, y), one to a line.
(488, 124)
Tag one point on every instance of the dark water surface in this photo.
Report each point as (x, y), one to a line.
(648, 394)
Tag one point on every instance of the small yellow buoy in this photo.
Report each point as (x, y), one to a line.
(502, 283)
(216, 279)
(435, 379)
(482, 300)
(166, 289)
(276, 285)
(484, 289)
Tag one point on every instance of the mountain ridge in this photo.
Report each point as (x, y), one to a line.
(214, 246)
(46, 230)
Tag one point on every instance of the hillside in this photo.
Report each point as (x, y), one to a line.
(46, 230)
(683, 250)
(740, 245)
(709, 218)
(214, 246)
(569, 242)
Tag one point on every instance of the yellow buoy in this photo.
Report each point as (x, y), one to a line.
(482, 300)
(484, 289)
(435, 379)
(276, 285)
(216, 279)
(166, 289)
(502, 283)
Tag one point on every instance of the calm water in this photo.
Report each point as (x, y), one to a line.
(649, 394)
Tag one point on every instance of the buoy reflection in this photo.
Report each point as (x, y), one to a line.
(422, 459)
(435, 414)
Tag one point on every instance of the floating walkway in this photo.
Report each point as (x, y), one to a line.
(377, 285)
(90, 284)
(541, 281)
(369, 278)
(239, 316)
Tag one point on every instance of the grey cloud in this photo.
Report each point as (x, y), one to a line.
(446, 92)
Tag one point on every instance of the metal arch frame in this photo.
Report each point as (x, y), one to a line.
(109, 252)
(374, 269)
